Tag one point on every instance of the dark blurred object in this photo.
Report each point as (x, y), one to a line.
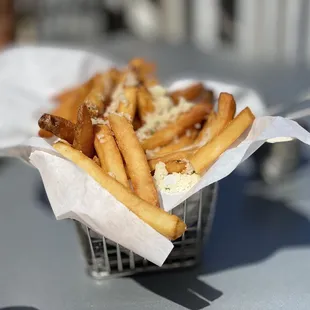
(7, 22)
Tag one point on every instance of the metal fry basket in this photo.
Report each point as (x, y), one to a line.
(106, 259)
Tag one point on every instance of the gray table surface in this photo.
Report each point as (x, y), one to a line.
(258, 254)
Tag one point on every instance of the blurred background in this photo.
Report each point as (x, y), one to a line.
(269, 30)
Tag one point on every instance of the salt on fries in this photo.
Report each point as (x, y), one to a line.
(121, 126)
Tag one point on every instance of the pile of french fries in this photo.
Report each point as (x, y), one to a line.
(107, 126)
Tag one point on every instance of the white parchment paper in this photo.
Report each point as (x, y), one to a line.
(30, 76)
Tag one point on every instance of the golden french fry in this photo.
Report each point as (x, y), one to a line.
(84, 133)
(129, 105)
(150, 82)
(95, 100)
(176, 156)
(189, 93)
(57, 126)
(44, 134)
(97, 160)
(186, 140)
(70, 103)
(142, 67)
(135, 158)
(207, 96)
(216, 122)
(168, 225)
(108, 152)
(66, 94)
(209, 153)
(177, 166)
(67, 109)
(186, 120)
(114, 75)
(145, 102)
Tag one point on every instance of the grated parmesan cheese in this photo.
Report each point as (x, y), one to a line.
(126, 115)
(165, 112)
(100, 121)
(197, 125)
(175, 182)
(157, 91)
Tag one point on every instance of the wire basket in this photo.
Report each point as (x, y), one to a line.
(106, 259)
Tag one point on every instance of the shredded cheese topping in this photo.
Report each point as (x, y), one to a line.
(175, 182)
(165, 112)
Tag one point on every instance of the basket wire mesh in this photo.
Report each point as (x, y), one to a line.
(106, 259)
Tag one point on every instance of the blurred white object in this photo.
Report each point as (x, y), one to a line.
(143, 18)
(206, 23)
(291, 29)
(174, 20)
(270, 28)
(248, 28)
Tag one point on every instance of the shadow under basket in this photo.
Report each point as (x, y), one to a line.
(106, 259)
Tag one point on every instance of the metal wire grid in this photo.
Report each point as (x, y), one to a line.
(107, 259)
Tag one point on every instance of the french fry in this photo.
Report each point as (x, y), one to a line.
(97, 160)
(135, 158)
(189, 93)
(142, 67)
(207, 96)
(216, 122)
(186, 120)
(68, 107)
(186, 140)
(84, 133)
(114, 75)
(109, 155)
(176, 156)
(57, 126)
(45, 134)
(69, 102)
(168, 225)
(95, 99)
(66, 94)
(177, 166)
(129, 105)
(210, 152)
(145, 102)
(150, 82)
